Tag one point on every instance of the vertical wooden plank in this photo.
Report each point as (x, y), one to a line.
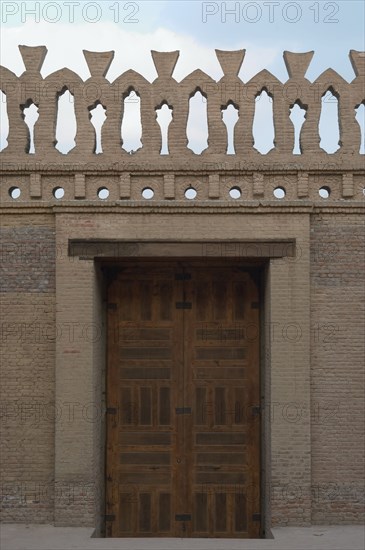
(125, 302)
(239, 300)
(144, 512)
(220, 512)
(164, 524)
(146, 301)
(112, 428)
(211, 515)
(202, 302)
(200, 406)
(166, 292)
(125, 516)
(220, 406)
(145, 406)
(239, 405)
(201, 512)
(219, 300)
(252, 505)
(180, 454)
(126, 406)
(155, 409)
(231, 512)
(164, 407)
(240, 513)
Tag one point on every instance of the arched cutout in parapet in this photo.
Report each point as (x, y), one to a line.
(164, 117)
(30, 115)
(263, 123)
(97, 118)
(298, 113)
(66, 125)
(329, 129)
(197, 124)
(4, 128)
(360, 117)
(131, 128)
(230, 116)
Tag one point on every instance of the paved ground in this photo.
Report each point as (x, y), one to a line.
(47, 537)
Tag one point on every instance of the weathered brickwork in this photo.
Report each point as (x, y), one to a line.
(53, 328)
(28, 259)
(27, 406)
(337, 367)
(27, 340)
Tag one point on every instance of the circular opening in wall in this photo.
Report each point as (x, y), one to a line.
(190, 193)
(148, 193)
(103, 193)
(235, 193)
(14, 192)
(279, 193)
(58, 192)
(324, 192)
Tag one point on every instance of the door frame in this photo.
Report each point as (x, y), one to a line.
(80, 285)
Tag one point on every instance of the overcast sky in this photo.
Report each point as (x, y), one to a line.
(264, 28)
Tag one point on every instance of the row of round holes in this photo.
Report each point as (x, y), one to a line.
(190, 193)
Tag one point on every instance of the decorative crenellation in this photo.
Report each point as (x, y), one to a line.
(30, 87)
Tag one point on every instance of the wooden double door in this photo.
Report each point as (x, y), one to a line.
(183, 425)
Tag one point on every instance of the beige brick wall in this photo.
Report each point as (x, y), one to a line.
(310, 399)
(337, 367)
(28, 336)
(306, 404)
(53, 305)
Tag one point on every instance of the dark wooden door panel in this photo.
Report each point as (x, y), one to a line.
(144, 363)
(183, 378)
(222, 378)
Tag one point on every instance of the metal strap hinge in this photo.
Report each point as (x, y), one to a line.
(110, 517)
